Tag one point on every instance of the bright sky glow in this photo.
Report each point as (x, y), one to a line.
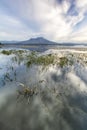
(57, 20)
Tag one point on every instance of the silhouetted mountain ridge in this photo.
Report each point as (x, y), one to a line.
(38, 40)
(41, 41)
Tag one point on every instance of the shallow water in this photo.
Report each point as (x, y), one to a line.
(61, 99)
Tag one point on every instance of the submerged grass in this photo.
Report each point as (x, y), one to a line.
(33, 58)
(40, 60)
(63, 61)
(9, 52)
(46, 60)
(6, 52)
(19, 55)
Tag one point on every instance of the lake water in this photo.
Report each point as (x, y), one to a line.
(58, 84)
(42, 48)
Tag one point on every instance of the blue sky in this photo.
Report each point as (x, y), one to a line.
(57, 20)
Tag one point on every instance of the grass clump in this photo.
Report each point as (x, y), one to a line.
(40, 60)
(19, 56)
(63, 61)
(49, 59)
(18, 59)
(20, 51)
(16, 52)
(45, 60)
(26, 92)
(31, 59)
(7, 52)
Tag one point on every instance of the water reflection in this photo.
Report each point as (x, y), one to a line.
(61, 102)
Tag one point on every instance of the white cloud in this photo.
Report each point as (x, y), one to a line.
(53, 23)
(13, 29)
(79, 36)
(81, 3)
(65, 6)
(48, 16)
(51, 20)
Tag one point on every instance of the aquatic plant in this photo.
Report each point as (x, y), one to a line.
(6, 52)
(18, 58)
(45, 60)
(26, 92)
(7, 77)
(19, 51)
(63, 61)
(40, 60)
(31, 59)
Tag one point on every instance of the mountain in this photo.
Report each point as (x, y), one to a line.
(41, 41)
(8, 42)
(38, 40)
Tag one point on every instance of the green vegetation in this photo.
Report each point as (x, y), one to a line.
(46, 60)
(33, 58)
(40, 60)
(9, 52)
(6, 52)
(63, 61)
(18, 58)
(19, 51)
(26, 92)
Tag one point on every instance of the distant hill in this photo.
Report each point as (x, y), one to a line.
(8, 42)
(43, 41)
(38, 40)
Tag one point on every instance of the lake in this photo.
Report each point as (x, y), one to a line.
(43, 88)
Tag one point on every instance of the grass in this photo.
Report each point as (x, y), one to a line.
(63, 61)
(33, 58)
(9, 52)
(40, 60)
(20, 51)
(18, 59)
(6, 52)
(7, 77)
(47, 60)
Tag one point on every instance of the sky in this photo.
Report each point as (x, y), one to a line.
(56, 20)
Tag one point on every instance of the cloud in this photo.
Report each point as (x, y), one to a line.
(54, 19)
(13, 29)
(50, 18)
(79, 36)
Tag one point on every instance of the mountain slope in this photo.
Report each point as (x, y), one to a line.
(39, 40)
